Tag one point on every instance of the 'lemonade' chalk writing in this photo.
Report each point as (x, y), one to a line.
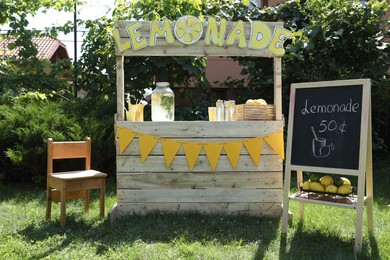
(349, 107)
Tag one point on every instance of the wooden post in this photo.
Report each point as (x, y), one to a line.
(120, 88)
(278, 88)
(369, 181)
(300, 204)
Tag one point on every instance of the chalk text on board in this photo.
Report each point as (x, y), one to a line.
(332, 125)
(349, 107)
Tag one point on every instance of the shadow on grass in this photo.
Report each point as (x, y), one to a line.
(21, 193)
(159, 227)
(315, 244)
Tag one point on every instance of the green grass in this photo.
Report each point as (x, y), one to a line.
(326, 232)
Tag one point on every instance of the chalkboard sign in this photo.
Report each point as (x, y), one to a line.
(327, 125)
(329, 132)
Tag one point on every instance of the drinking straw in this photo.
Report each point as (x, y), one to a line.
(314, 133)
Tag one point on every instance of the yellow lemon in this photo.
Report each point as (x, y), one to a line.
(326, 180)
(260, 101)
(346, 181)
(306, 185)
(188, 29)
(331, 189)
(316, 186)
(250, 102)
(344, 189)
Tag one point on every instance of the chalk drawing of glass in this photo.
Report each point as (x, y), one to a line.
(319, 146)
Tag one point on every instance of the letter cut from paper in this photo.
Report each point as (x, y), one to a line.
(170, 148)
(213, 152)
(192, 150)
(254, 146)
(275, 140)
(125, 138)
(146, 145)
(233, 150)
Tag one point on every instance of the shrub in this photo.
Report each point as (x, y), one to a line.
(26, 124)
(29, 120)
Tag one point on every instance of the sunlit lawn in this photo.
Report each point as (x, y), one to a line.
(326, 233)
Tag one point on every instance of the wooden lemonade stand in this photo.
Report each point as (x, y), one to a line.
(209, 167)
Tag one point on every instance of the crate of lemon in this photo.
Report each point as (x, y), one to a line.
(255, 109)
(327, 184)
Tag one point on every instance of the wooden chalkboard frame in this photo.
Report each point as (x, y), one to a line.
(363, 170)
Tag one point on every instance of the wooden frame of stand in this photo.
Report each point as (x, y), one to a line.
(149, 186)
(363, 169)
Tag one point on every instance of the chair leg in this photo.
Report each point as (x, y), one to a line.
(48, 202)
(102, 197)
(86, 201)
(63, 207)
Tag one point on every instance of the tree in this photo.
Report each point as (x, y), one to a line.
(14, 13)
(29, 73)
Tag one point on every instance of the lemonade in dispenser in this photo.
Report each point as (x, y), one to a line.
(163, 103)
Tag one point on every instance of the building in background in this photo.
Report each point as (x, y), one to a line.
(48, 48)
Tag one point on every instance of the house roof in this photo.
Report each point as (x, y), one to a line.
(47, 47)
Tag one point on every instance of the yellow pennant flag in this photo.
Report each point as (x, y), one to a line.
(254, 146)
(125, 138)
(170, 148)
(213, 152)
(275, 140)
(192, 150)
(233, 150)
(146, 145)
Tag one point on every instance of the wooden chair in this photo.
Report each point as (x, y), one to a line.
(72, 184)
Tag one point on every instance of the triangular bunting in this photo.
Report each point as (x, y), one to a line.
(275, 140)
(125, 138)
(146, 145)
(192, 150)
(254, 146)
(213, 152)
(170, 148)
(233, 150)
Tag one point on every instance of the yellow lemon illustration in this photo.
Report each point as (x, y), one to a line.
(188, 29)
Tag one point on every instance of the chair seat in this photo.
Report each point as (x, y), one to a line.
(76, 175)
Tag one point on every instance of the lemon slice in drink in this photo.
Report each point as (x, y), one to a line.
(188, 29)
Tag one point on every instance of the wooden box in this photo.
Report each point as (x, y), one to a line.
(149, 186)
(249, 112)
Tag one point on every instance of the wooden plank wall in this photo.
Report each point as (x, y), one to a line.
(149, 186)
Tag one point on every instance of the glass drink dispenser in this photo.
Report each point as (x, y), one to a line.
(163, 103)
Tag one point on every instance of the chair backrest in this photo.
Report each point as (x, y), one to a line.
(68, 150)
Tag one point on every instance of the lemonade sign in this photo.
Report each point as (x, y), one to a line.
(189, 30)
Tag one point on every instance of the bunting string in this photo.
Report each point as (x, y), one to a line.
(192, 149)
